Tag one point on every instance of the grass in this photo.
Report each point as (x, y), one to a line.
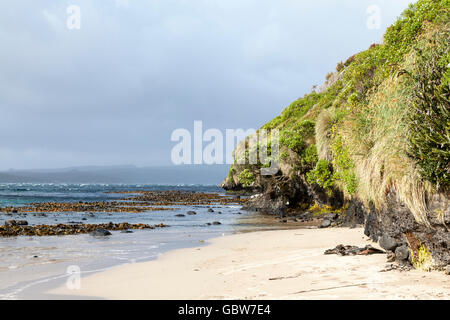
(384, 124)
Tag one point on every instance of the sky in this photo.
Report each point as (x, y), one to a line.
(112, 91)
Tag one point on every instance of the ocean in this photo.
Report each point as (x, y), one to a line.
(31, 265)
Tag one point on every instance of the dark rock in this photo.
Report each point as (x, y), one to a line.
(325, 224)
(179, 215)
(14, 211)
(216, 223)
(354, 214)
(100, 233)
(402, 253)
(210, 210)
(16, 223)
(126, 231)
(331, 216)
(388, 243)
(83, 219)
(208, 223)
(342, 250)
(191, 213)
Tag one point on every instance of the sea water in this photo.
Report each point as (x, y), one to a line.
(31, 265)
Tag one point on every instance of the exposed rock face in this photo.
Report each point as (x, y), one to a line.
(397, 221)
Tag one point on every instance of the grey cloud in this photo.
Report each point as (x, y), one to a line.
(113, 91)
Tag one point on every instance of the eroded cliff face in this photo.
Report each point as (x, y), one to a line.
(372, 144)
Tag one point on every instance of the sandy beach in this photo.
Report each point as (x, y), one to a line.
(282, 264)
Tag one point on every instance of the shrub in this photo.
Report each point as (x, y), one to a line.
(309, 158)
(246, 178)
(322, 174)
(429, 137)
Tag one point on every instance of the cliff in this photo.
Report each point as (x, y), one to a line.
(372, 144)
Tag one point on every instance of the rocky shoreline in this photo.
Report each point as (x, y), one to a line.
(133, 202)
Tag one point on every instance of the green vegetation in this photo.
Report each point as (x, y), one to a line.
(382, 120)
(246, 178)
(430, 120)
(422, 260)
(321, 175)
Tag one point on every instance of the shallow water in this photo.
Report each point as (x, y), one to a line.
(31, 265)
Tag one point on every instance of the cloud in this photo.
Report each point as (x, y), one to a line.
(113, 91)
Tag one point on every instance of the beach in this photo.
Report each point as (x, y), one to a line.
(280, 264)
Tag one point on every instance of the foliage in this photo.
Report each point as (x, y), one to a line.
(422, 260)
(246, 178)
(429, 137)
(344, 166)
(322, 174)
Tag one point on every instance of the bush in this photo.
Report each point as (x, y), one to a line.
(309, 158)
(322, 174)
(429, 137)
(246, 178)
(294, 137)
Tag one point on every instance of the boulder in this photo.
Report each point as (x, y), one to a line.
(388, 243)
(16, 223)
(325, 224)
(402, 253)
(100, 233)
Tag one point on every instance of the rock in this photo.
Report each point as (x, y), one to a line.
(100, 233)
(447, 270)
(83, 219)
(210, 210)
(388, 243)
(402, 253)
(126, 231)
(220, 212)
(11, 223)
(16, 223)
(331, 216)
(216, 223)
(179, 215)
(14, 211)
(342, 250)
(208, 224)
(191, 213)
(294, 219)
(325, 224)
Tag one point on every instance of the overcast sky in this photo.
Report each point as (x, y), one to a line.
(113, 91)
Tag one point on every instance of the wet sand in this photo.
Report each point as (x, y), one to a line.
(281, 264)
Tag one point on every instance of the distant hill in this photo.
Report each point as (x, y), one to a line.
(195, 174)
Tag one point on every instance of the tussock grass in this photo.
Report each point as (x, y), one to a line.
(323, 135)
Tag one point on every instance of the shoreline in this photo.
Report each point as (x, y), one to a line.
(276, 264)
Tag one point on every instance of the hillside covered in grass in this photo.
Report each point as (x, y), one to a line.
(375, 138)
